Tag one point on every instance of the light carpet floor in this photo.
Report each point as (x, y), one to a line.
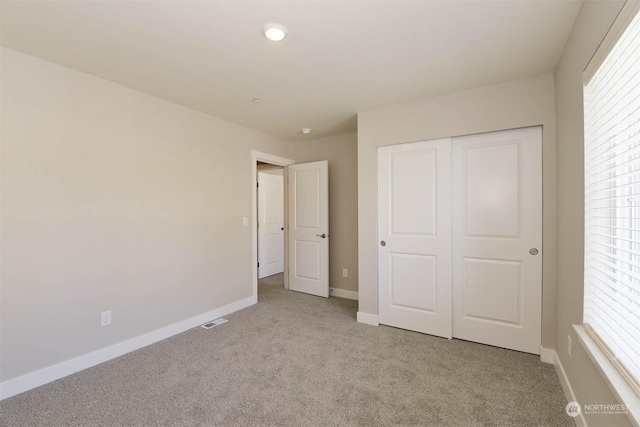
(299, 360)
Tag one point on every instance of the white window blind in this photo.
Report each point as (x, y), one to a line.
(612, 204)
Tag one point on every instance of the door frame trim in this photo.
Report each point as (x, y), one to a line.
(257, 156)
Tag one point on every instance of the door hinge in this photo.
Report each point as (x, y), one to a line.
(258, 264)
(257, 184)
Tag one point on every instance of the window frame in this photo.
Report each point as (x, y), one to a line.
(597, 351)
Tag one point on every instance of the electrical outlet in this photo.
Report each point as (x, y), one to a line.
(105, 318)
(245, 220)
(569, 345)
(345, 272)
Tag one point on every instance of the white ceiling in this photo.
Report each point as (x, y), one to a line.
(339, 58)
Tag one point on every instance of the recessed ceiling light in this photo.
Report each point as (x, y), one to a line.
(257, 100)
(274, 32)
(306, 131)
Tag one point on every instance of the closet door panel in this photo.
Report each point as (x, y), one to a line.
(414, 233)
(497, 221)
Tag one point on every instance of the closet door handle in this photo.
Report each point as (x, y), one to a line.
(533, 251)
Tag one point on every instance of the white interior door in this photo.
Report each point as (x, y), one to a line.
(308, 188)
(414, 233)
(270, 224)
(497, 238)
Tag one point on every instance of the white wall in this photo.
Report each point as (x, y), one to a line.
(521, 103)
(592, 24)
(113, 200)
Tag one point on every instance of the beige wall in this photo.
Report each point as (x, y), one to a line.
(114, 200)
(341, 152)
(521, 103)
(592, 23)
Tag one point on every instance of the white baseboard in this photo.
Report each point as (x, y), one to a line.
(368, 319)
(568, 391)
(547, 355)
(343, 293)
(51, 373)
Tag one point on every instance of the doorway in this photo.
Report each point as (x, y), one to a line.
(306, 222)
(273, 161)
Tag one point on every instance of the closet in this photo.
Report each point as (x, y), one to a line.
(460, 237)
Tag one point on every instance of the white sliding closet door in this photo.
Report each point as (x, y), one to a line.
(497, 238)
(460, 235)
(414, 207)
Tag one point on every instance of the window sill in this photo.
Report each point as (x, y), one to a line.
(618, 385)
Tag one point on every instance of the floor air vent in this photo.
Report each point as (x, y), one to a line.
(213, 323)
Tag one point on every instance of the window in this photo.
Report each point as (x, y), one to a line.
(612, 202)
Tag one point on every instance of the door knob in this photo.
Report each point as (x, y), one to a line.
(383, 243)
(323, 235)
(282, 228)
(533, 251)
